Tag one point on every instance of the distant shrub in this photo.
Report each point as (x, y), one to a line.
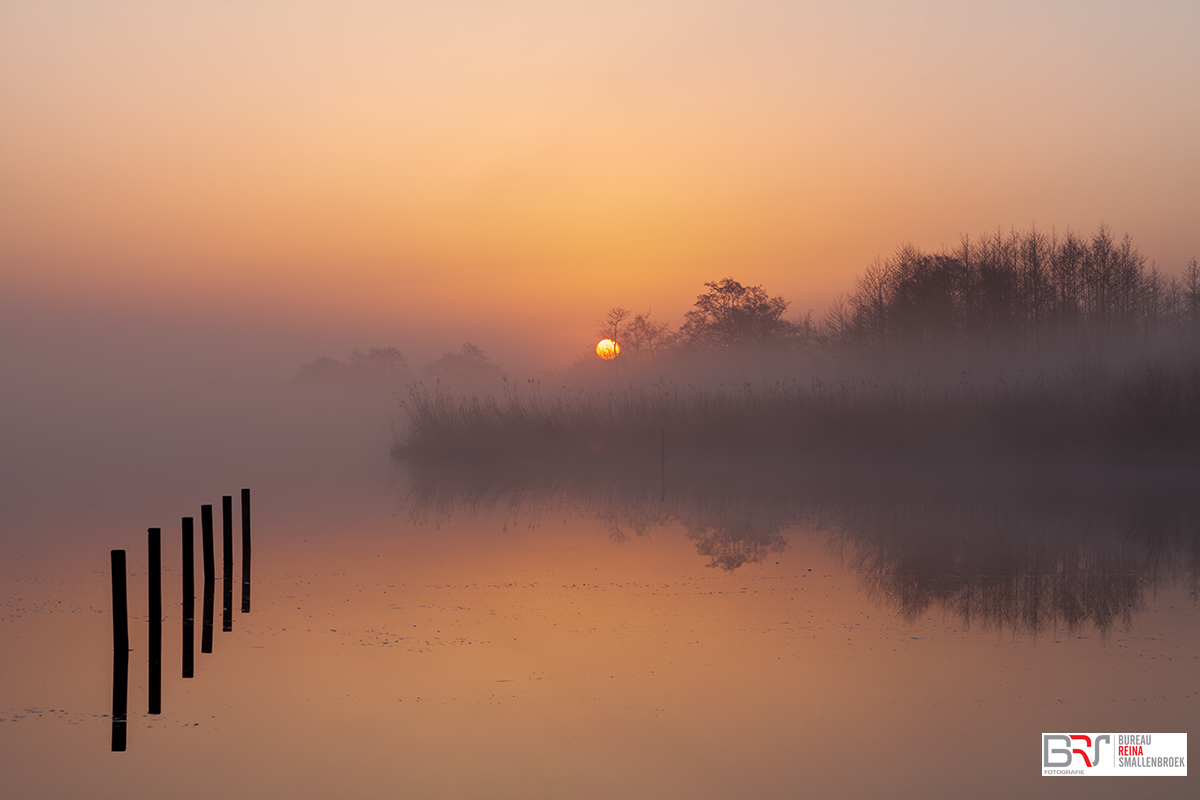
(467, 370)
(379, 366)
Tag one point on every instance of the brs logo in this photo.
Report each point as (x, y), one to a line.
(1069, 751)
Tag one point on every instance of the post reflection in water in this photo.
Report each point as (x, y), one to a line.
(189, 600)
(993, 547)
(206, 536)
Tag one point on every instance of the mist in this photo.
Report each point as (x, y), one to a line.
(119, 399)
(1022, 345)
(103, 407)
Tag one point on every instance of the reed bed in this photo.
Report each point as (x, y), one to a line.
(1154, 407)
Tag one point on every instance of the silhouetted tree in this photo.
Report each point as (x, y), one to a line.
(926, 304)
(1190, 298)
(730, 315)
(613, 325)
(1020, 292)
(868, 307)
(644, 337)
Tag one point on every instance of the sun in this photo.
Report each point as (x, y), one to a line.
(608, 349)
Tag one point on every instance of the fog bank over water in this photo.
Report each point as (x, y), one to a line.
(100, 407)
(1020, 341)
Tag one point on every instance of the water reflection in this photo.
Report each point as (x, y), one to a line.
(1033, 566)
(1011, 548)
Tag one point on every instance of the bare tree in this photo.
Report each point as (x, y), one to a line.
(646, 338)
(613, 325)
(1190, 298)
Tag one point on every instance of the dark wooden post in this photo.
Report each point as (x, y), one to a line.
(189, 600)
(245, 550)
(120, 605)
(206, 537)
(227, 563)
(120, 695)
(155, 618)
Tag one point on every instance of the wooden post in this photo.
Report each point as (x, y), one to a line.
(189, 600)
(206, 537)
(120, 694)
(120, 605)
(227, 563)
(155, 618)
(245, 550)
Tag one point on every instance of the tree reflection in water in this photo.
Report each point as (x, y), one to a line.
(1006, 548)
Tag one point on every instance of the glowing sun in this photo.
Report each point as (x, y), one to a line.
(608, 349)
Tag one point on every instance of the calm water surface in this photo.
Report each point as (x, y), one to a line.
(435, 635)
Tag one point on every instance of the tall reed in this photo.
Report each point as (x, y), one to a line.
(1155, 406)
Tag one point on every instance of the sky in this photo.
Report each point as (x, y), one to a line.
(292, 179)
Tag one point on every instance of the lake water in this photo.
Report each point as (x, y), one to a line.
(416, 633)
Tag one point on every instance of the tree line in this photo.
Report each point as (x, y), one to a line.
(387, 367)
(1018, 293)
(729, 316)
(1001, 296)
(1024, 291)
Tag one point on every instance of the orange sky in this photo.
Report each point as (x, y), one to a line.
(506, 172)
